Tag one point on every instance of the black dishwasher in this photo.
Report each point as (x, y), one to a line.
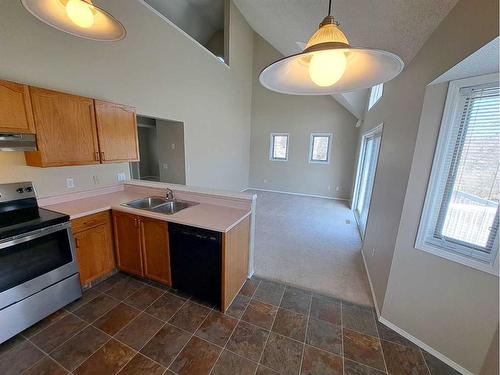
(195, 259)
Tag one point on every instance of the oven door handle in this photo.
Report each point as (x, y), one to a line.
(33, 235)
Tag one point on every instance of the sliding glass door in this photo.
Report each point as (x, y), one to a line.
(367, 165)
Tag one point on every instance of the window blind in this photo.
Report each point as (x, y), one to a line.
(465, 216)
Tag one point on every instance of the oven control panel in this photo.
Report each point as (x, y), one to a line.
(16, 190)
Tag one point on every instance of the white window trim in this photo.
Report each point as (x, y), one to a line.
(372, 104)
(376, 130)
(271, 146)
(432, 199)
(330, 142)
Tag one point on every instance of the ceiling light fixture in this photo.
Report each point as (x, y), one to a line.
(77, 17)
(329, 65)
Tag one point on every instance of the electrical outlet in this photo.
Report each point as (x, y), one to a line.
(173, 146)
(70, 184)
(373, 251)
(121, 176)
(337, 188)
(164, 165)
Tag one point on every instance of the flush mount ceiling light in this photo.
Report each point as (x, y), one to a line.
(77, 17)
(329, 65)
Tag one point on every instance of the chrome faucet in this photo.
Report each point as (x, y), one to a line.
(169, 194)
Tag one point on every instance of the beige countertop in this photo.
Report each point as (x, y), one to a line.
(219, 218)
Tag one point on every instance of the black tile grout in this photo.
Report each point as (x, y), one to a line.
(305, 335)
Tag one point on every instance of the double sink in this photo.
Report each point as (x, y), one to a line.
(159, 205)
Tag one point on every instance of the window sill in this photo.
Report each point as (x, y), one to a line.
(457, 258)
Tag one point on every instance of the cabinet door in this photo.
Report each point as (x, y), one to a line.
(128, 243)
(66, 129)
(117, 129)
(16, 114)
(155, 250)
(94, 252)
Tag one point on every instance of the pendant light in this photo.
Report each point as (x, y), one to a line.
(330, 65)
(77, 17)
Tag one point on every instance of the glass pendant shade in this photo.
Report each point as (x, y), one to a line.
(329, 65)
(77, 17)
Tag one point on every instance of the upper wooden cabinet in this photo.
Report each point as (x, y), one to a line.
(16, 115)
(70, 129)
(117, 129)
(65, 130)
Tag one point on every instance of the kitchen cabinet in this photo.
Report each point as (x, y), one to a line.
(70, 129)
(16, 115)
(117, 129)
(142, 246)
(94, 246)
(128, 243)
(65, 130)
(155, 250)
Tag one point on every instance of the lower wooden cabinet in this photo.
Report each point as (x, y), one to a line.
(94, 246)
(142, 246)
(155, 251)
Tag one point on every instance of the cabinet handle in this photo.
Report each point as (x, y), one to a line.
(77, 243)
(102, 155)
(96, 156)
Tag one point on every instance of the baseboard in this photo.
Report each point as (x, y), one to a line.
(425, 347)
(371, 285)
(408, 336)
(301, 194)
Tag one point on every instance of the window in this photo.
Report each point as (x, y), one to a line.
(460, 216)
(375, 95)
(365, 178)
(279, 147)
(319, 150)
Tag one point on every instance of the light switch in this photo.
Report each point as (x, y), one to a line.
(121, 176)
(70, 183)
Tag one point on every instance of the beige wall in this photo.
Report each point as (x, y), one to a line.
(170, 139)
(179, 80)
(450, 307)
(298, 116)
(52, 181)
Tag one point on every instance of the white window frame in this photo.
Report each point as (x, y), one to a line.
(433, 198)
(311, 144)
(376, 93)
(271, 146)
(368, 134)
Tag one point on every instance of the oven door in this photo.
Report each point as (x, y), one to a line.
(34, 261)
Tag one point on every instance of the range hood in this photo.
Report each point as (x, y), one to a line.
(17, 142)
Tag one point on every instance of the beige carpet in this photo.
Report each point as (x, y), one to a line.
(312, 243)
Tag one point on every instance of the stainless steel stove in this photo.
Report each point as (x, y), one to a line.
(38, 267)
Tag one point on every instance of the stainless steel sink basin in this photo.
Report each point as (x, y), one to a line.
(160, 205)
(172, 207)
(146, 203)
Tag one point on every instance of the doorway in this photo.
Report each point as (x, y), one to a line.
(367, 165)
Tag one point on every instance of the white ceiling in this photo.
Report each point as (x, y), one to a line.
(199, 18)
(398, 26)
(483, 61)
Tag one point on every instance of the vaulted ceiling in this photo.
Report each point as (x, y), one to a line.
(398, 26)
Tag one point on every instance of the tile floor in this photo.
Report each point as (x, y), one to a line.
(126, 326)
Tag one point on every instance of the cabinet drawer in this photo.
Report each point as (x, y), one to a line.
(90, 221)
